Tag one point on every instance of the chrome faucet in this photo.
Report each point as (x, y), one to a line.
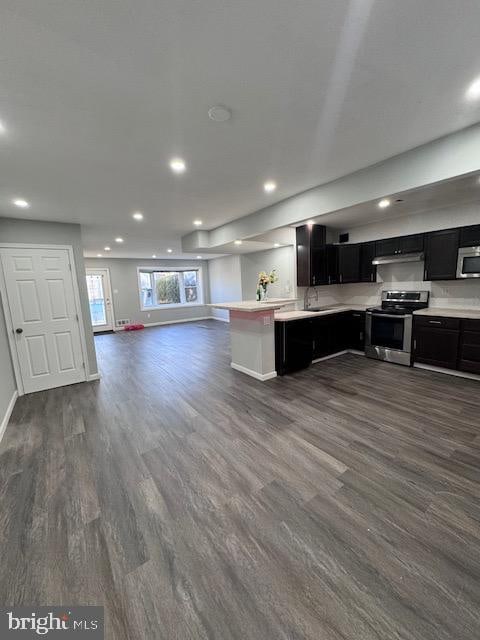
(306, 297)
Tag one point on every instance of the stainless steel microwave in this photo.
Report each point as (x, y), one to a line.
(468, 265)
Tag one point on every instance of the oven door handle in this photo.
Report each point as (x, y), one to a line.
(387, 315)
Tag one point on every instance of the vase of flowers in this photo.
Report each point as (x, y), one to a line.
(264, 279)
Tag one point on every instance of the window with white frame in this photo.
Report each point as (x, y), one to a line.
(160, 288)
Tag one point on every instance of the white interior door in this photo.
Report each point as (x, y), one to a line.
(100, 299)
(41, 301)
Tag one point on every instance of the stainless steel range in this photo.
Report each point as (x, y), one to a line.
(388, 329)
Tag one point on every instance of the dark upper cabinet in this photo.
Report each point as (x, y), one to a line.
(412, 244)
(470, 236)
(402, 244)
(348, 263)
(324, 265)
(368, 271)
(441, 251)
(386, 247)
(434, 344)
(310, 241)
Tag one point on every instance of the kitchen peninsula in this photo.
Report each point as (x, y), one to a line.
(252, 335)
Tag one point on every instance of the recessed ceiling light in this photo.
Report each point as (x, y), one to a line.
(3, 128)
(238, 242)
(269, 186)
(473, 91)
(119, 240)
(154, 255)
(383, 204)
(219, 113)
(199, 257)
(197, 223)
(23, 204)
(99, 255)
(169, 250)
(177, 165)
(276, 245)
(137, 215)
(106, 248)
(310, 222)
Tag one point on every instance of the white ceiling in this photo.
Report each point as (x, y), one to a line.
(98, 96)
(461, 190)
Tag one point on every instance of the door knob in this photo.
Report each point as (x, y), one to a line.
(19, 330)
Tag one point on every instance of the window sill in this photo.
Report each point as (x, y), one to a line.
(179, 305)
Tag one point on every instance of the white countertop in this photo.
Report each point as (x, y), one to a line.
(285, 316)
(444, 312)
(253, 305)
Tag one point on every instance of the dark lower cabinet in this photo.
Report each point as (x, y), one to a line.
(293, 345)
(298, 342)
(356, 330)
(469, 355)
(441, 253)
(329, 334)
(436, 341)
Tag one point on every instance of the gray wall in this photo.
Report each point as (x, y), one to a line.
(235, 277)
(35, 232)
(225, 282)
(7, 377)
(281, 259)
(126, 301)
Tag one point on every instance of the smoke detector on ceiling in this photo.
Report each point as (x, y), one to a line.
(218, 113)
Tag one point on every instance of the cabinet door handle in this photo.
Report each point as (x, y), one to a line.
(341, 278)
(415, 344)
(313, 279)
(434, 322)
(329, 279)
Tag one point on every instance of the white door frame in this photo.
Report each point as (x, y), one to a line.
(8, 314)
(109, 286)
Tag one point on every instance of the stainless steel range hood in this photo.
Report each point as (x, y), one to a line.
(399, 257)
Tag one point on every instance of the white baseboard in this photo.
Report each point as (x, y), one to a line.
(448, 372)
(157, 324)
(220, 319)
(8, 413)
(93, 376)
(254, 374)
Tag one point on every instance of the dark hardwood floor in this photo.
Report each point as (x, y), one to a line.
(195, 503)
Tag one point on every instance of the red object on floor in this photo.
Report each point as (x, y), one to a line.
(133, 327)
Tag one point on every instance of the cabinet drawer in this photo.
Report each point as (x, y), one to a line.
(471, 325)
(437, 322)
